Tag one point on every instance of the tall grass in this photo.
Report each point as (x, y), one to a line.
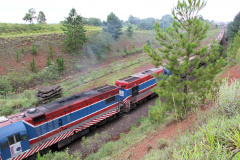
(217, 136)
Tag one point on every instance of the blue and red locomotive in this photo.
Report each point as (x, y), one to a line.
(60, 122)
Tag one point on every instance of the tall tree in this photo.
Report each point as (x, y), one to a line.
(30, 16)
(41, 17)
(74, 30)
(181, 42)
(113, 25)
(233, 27)
(166, 21)
(133, 20)
(129, 31)
(94, 21)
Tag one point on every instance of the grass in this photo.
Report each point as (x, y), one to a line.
(13, 30)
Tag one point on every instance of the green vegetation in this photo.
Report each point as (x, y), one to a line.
(129, 31)
(49, 62)
(215, 137)
(41, 17)
(30, 16)
(74, 31)
(50, 51)
(233, 27)
(33, 66)
(8, 29)
(179, 90)
(17, 56)
(60, 64)
(33, 49)
(113, 25)
(93, 21)
(234, 50)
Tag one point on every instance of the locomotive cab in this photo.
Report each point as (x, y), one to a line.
(13, 140)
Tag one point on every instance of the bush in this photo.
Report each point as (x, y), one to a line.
(49, 73)
(5, 86)
(157, 113)
(33, 66)
(60, 64)
(22, 50)
(17, 56)
(228, 97)
(50, 51)
(33, 49)
(49, 62)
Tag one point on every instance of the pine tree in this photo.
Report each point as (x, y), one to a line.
(33, 49)
(129, 31)
(49, 62)
(60, 64)
(33, 66)
(113, 25)
(233, 27)
(50, 51)
(74, 30)
(17, 56)
(180, 42)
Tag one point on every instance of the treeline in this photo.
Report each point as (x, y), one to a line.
(141, 24)
(233, 32)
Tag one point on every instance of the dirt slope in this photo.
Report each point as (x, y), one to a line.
(139, 150)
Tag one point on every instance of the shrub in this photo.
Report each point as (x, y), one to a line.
(228, 97)
(5, 86)
(33, 49)
(17, 56)
(49, 73)
(49, 62)
(22, 50)
(157, 113)
(50, 51)
(60, 64)
(33, 66)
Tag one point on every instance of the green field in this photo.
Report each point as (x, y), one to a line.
(9, 29)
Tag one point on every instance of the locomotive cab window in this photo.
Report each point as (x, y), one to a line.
(111, 99)
(14, 139)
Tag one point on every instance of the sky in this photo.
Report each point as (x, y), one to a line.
(13, 11)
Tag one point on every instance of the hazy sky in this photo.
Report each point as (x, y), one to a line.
(12, 11)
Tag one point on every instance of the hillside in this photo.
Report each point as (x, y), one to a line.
(16, 39)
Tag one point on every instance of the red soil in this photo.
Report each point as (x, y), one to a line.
(232, 73)
(139, 150)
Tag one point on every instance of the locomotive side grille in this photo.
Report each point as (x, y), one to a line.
(147, 71)
(104, 88)
(129, 79)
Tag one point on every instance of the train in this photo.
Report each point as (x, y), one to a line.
(57, 124)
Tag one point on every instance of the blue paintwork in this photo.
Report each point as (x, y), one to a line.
(44, 128)
(142, 86)
(10, 130)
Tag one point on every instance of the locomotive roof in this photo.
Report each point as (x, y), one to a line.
(41, 110)
(66, 101)
(140, 74)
